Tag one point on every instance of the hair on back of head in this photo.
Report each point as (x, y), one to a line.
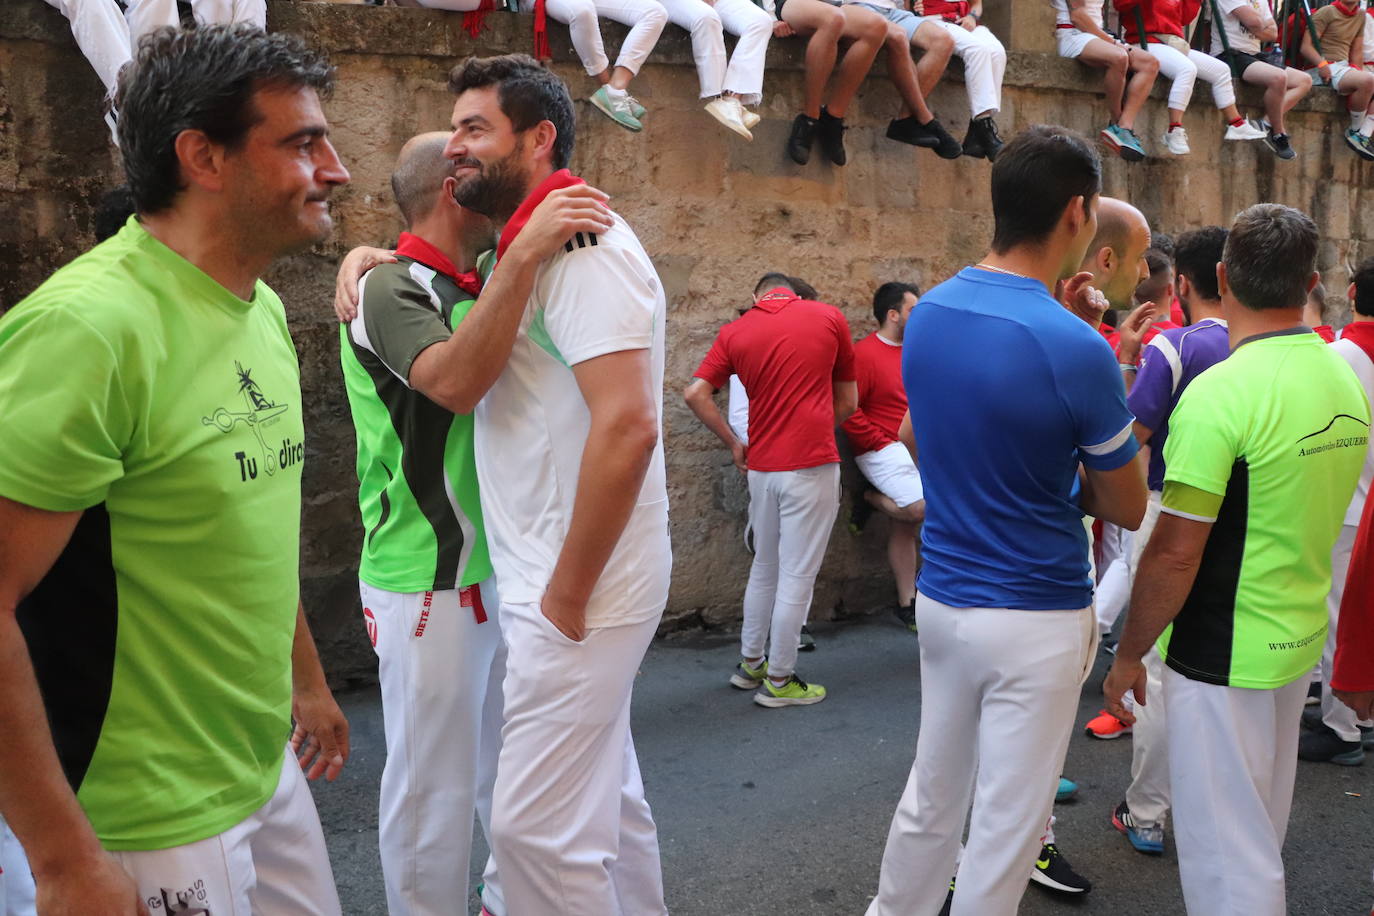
(773, 280)
(1164, 243)
(201, 79)
(1363, 278)
(890, 295)
(803, 289)
(1196, 255)
(527, 93)
(419, 176)
(1270, 255)
(1035, 177)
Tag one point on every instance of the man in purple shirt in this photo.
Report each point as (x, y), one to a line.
(1168, 365)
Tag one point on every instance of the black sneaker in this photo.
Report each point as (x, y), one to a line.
(1367, 737)
(931, 135)
(949, 900)
(860, 511)
(1323, 745)
(806, 642)
(831, 132)
(982, 140)
(1054, 872)
(1312, 718)
(1280, 145)
(1108, 645)
(1314, 694)
(803, 135)
(972, 146)
(906, 614)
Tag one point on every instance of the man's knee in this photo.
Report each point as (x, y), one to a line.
(934, 40)
(1119, 60)
(896, 40)
(914, 513)
(1144, 63)
(831, 25)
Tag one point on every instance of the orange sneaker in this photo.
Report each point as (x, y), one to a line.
(1106, 727)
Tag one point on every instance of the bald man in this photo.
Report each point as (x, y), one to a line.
(428, 594)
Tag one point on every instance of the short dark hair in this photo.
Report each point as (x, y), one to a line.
(1164, 242)
(527, 94)
(1270, 254)
(803, 289)
(115, 207)
(1153, 286)
(890, 295)
(772, 280)
(201, 79)
(1034, 178)
(1364, 288)
(1196, 255)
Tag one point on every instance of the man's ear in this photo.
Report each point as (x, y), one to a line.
(1223, 286)
(545, 136)
(1313, 280)
(1350, 291)
(200, 160)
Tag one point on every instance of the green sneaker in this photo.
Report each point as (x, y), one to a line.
(637, 109)
(795, 692)
(617, 108)
(746, 678)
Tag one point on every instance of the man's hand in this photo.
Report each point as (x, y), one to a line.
(560, 216)
(1078, 296)
(783, 30)
(969, 23)
(1132, 330)
(568, 618)
(320, 739)
(98, 885)
(1362, 702)
(1125, 675)
(740, 453)
(351, 269)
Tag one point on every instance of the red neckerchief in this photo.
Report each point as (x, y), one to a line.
(559, 179)
(776, 299)
(474, 19)
(541, 32)
(1351, 11)
(417, 249)
(1361, 334)
(959, 12)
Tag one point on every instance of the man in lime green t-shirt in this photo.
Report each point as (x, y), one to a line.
(1264, 452)
(152, 647)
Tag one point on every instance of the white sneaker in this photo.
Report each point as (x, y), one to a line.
(727, 110)
(1246, 131)
(751, 120)
(1176, 142)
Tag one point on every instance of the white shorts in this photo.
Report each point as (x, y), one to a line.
(273, 863)
(1339, 69)
(892, 471)
(1071, 42)
(16, 882)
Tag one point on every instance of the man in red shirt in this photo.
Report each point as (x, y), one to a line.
(872, 431)
(796, 360)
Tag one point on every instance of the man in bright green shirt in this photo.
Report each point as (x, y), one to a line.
(152, 647)
(1264, 452)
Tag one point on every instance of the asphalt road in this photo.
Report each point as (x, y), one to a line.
(786, 811)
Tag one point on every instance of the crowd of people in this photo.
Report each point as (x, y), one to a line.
(1230, 41)
(150, 499)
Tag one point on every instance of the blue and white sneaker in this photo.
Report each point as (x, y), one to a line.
(1148, 839)
(1123, 142)
(1067, 790)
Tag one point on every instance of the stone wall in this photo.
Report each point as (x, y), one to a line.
(714, 211)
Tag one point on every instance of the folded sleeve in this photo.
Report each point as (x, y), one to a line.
(1090, 386)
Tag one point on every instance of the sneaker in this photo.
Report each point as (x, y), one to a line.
(728, 111)
(1367, 737)
(1312, 717)
(949, 901)
(1108, 645)
(1245, 131)
(746, 678)
(1052, 870)
(931, 135)
(831, 129)
(1106, 727)
(982, 140)
(1359, 143)
(794, 692)
(1145, 838)
(1122, 142)
(1314, 694)
(617, 108)
(751, 120)
(860, 511)
(1280, 146)
(1067, 789)
(636, 109)
(906, 615)
(1176, 142)
(803, 135)
(805, 641)
(1323, 745)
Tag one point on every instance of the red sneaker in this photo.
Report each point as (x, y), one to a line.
(1106, 727)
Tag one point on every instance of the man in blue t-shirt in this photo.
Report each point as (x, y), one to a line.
(1019, 417)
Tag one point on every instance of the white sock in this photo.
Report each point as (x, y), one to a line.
(1356, 119)
(618, 93)
(1368, 129)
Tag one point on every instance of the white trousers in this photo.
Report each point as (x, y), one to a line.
(999, 689)
(706, 24)
(985, 60)
(1233, 754)
(1148, 794)
(441, 661)
(646, 19)
(146, 15)
(1121, 550)
(271, 864)
(16, 881)
(1339, 717)
(1184, 69)
(570, 825)
(102, 35)
(791, 514)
